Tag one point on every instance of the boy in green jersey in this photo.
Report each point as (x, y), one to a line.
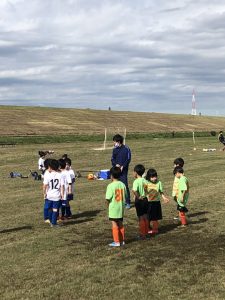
(183, 194)
(178, 162)
(115, 197)
(154, 192)
(141, 201)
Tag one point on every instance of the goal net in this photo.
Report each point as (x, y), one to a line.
(108, 136)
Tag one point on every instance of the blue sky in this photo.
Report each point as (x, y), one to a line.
(130, 55)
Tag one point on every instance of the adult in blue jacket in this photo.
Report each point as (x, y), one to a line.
(121, 157)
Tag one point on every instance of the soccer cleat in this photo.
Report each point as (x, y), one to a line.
(176, 218)
(56, 226)
(114, 244)
(122, 244)
(47, 221)
(153, 232)
(127, 206)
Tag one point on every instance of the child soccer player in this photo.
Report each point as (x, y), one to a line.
(71, 195)
(46, 203)
(154, 191)
(53, 190)
(141, 201)
(183, 194)
(68, 186)
(178, 162)
(115, 197)
(41, 161)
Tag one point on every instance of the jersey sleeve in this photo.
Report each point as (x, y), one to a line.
(160, 187)
(46, 179)
(183, 184)
(135, 186)
(109, 193)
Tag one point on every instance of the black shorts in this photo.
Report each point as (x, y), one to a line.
(182, 208)
(116, 220)
(141, 206)
(154, 210)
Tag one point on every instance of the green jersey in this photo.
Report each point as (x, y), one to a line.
(116, 194)
(139, 186)
(154, 190)
(183, 186)
(175, 187)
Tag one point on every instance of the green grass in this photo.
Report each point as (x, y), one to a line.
(75, 262)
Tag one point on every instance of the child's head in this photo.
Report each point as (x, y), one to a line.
(62, 164)
(68, 163)
(178, 171)
(41, 153)
(139, 170)
(46, 163)
(178, 162)
(64, 156)
(221, 131)
(152, 175)
(53, 165)
(118, 140)
(115, 172)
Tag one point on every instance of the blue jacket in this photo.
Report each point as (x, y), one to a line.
(121, 156)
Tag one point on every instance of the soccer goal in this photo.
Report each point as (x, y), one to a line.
(108, 136)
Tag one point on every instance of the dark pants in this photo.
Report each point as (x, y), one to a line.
(123, 178)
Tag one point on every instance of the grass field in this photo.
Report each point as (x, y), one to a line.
(16, 120)
(74, 262)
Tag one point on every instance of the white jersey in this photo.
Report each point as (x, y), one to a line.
(67, 180)
(46, 174)
(54, 180)
(72, 175)
(41, 164)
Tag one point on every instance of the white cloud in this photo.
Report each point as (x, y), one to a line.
(127, 54)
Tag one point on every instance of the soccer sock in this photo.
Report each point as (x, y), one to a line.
(146, 226)
(54, 217)
(183, 218)
(46, 214)
(50, 214)
(142, 227)
(63, 210)
(68, 211)
(115, 233)
(121, 234)
(155, 226)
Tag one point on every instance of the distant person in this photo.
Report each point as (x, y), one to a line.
(115, 197)
(183, 194)
(71, 195)
(141, 201)
(41, 160)
(221, 139)
(121, 157)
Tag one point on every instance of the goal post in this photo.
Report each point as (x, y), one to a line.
(109, 132)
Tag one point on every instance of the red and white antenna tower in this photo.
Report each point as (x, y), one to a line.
(193, 111)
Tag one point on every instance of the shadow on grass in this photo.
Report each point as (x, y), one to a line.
(203, 220)
(16, 229)
(197, 214)
(88, 213)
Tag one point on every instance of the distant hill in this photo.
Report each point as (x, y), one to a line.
(45, 121)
